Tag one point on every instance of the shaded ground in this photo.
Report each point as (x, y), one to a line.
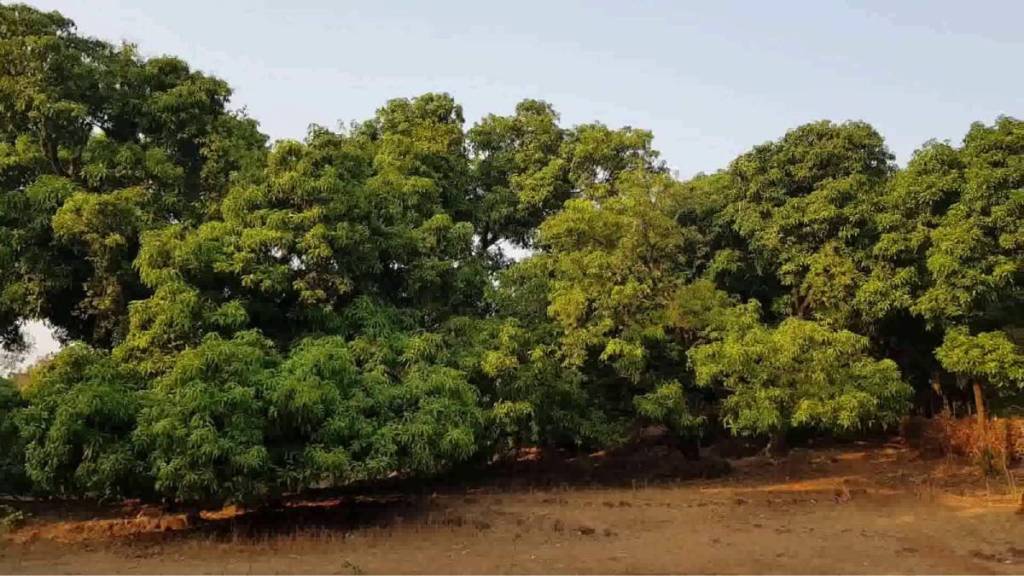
(854, 509)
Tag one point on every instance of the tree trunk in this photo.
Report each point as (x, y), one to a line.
(690, 447)
(979, 405)
(777, 444)
(193, 518)
(937, 388)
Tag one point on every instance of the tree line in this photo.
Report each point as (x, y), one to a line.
(244, 319)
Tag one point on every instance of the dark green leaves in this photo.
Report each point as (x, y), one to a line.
(256, 320)
(78, 423)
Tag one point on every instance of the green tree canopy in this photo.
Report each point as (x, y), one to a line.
(106, 144)
(800, 374)
(243, 320)
(77, 425)
(804, 205)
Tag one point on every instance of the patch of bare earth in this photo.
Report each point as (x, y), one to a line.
(855, 509)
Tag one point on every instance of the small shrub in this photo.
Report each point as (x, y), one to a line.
(10, 518)
(77, 426)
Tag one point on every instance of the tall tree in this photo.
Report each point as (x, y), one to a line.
(804, 205)
(105, 144)
(975, 254)
(520, 174)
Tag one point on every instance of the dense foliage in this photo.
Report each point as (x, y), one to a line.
(245, 319)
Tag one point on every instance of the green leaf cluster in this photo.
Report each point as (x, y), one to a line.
(406, 293)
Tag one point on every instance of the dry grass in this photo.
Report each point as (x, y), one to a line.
(857, 508)
(995, 449)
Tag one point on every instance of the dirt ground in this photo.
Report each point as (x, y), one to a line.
(875, 508)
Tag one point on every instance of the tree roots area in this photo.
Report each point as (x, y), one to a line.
(877, 507)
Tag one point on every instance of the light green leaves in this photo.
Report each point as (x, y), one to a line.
(202, 425)
(991, 356)
(800, 374)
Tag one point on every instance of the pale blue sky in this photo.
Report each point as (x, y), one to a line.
(711, 79)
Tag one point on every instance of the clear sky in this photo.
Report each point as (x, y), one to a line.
(711, 79)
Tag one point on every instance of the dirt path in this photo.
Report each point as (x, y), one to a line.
(855, 510)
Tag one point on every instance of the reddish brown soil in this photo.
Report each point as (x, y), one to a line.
(857, 509)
